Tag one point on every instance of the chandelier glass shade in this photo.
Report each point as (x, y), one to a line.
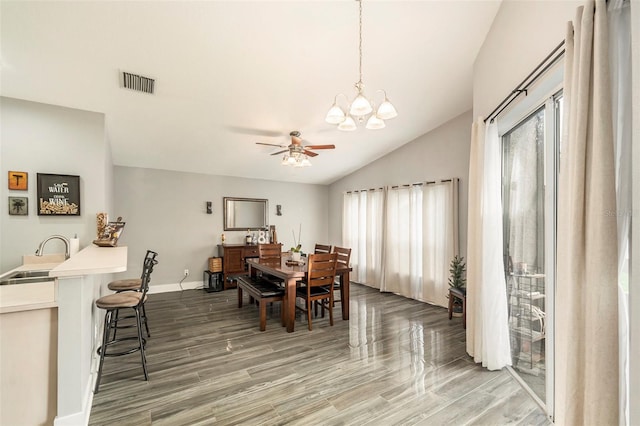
(360, 109)
(296, 159)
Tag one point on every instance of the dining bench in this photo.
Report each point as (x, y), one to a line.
(263, 292)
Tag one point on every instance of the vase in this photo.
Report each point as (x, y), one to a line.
(295, 256)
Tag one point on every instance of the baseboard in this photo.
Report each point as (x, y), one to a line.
(166, 288)
(81, 417)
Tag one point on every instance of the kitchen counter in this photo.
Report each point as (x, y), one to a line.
(60, 316)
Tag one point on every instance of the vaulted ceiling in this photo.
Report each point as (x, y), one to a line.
(229, 74)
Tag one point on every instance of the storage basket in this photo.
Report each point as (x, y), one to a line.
(215, 264)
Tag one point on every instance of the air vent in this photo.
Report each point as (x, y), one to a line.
(137, 82)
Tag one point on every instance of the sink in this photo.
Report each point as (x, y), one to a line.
(25, 277)
(28, 274)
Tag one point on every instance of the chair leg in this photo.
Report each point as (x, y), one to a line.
(450, 305)
(330, 310)
(239, 297)
(146, 322)
(143, 357)
(309, 302)
(115, 325)
(102, 349)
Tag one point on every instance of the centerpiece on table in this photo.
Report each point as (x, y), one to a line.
(296, 252)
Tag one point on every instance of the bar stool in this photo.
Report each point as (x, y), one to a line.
(131, 284)
(112, 304)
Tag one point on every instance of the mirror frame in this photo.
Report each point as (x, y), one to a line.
(227, 211)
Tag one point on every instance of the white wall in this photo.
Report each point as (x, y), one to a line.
(440, 154)
(41, 138)
(165, 211)
(521, 36)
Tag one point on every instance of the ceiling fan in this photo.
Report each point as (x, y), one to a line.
(296, 152)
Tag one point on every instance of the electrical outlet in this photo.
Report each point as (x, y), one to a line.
(186, 272)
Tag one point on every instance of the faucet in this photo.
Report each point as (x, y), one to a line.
(65, 240)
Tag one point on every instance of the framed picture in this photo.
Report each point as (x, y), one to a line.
(18, 181)
(58, 195)
(18, 206)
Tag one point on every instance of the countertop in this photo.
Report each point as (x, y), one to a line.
(93, 260)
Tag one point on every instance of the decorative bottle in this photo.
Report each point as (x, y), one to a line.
(247, 238)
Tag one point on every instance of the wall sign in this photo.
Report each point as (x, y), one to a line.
(58, 195)
(18, 206)
(18, 181)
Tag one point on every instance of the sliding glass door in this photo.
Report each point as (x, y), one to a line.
(529, 191)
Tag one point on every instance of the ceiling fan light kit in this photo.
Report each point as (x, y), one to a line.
(361, 107)
(297, 154)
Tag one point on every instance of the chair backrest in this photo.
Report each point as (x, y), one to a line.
(321, 269)
(270, 252)
(150, 255)
(344, 255)
(321, 248)
(149, 262)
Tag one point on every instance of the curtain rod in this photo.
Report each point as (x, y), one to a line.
(400, 186)
(523, 87)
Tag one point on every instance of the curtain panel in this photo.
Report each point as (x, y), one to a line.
(587, 281)
(487, 313)
(405, 237)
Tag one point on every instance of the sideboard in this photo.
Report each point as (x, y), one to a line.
(233, 260)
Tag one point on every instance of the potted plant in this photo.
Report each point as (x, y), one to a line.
(296, 251)
(458, 280)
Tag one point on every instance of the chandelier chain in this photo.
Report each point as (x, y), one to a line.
(359, 85)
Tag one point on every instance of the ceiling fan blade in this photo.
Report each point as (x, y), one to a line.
(253, 131)
(271, 144)
(320, 147)
(310, 153)
(280, 152)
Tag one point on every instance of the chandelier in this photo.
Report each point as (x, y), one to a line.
(361, 108)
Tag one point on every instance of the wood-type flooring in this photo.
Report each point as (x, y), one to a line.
(395, 362)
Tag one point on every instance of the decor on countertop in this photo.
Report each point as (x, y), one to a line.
(361, 107)
(18, 181)
(58, 195)
(112, 232)
(101, 223)
(18, 206)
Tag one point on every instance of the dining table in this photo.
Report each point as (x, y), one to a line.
(293, 272)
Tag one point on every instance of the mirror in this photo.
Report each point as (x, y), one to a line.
(241, 214)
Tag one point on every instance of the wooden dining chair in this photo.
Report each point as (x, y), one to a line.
(318, 286)
(321, 248)
(271, 254)
(344, 256)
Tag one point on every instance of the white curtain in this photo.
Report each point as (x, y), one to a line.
(439, 239)
(421, 239)
(403, 237)
(587, 291)
(362, 231)
(487, 314)
(620, 59)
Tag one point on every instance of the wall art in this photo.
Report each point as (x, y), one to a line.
(18, 206)
(58, 195)
(18, 181)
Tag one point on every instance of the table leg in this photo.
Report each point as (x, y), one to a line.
(290, 304)
(344, 294)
